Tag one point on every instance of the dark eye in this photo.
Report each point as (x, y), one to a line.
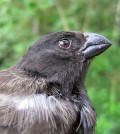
(65, 43)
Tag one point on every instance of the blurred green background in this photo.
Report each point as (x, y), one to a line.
(22, 22)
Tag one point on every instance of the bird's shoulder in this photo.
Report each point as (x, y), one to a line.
(18, 82)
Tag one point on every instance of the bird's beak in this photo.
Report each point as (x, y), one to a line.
(95, 44)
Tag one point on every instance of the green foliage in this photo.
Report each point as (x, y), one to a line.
(23, 22)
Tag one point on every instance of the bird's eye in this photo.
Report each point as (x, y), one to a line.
(65, 43)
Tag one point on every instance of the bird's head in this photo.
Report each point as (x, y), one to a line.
(63, 57)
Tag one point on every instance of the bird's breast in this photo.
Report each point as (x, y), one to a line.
(40, 113)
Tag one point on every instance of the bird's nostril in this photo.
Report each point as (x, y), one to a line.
(86, 37)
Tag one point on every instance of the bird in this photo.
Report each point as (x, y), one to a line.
(45, 92)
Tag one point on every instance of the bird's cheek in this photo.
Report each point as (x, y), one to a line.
(79, 55)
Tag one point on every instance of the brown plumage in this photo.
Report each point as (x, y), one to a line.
(44, 93)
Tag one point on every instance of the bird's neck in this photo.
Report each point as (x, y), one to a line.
(64, 81)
